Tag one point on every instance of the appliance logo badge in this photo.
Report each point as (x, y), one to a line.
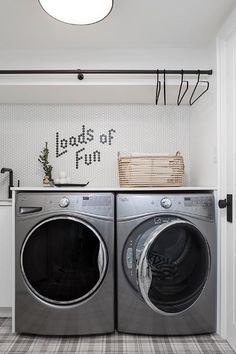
(157, 221)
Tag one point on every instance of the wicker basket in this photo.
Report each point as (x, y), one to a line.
(150, 171)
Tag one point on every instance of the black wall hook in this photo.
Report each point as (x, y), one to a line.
(180, 98)
(80, 75)
(191, 101)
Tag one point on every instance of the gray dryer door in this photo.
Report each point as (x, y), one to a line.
(63, 260)
(173, 266)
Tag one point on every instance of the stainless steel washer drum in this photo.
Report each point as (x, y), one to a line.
(63, 260)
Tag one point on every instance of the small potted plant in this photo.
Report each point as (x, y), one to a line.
(43, 159)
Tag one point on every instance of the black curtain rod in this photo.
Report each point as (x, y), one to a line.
(80, 72)
(80, 75)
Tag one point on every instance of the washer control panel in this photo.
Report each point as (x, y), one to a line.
(39, 203)
(64, 202)
(166, 203)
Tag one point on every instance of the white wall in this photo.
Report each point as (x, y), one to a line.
(203, 132)
(133, 128)
(142, 58)
(26, 127)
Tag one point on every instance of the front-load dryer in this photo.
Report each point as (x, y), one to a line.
(166, 254)
(64, 271)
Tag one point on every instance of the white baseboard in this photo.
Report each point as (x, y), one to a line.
(5, 312)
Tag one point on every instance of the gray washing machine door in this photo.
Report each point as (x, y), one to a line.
(172, 265)
(63, 260)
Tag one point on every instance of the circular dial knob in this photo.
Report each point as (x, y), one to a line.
(64, 202)
(166, 203)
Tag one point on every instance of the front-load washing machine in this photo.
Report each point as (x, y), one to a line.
(166, 254)
(64, 271)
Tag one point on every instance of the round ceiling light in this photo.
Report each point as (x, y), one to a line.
(77, 12)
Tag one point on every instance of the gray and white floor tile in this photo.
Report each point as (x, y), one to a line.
(116, 343)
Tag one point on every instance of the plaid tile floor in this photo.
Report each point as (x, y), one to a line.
(109, 344)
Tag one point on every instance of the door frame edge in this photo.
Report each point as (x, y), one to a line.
(222, 184)
(223, 35)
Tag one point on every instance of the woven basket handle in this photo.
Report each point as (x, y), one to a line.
(178, 153)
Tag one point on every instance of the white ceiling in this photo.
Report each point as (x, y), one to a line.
(131, 24)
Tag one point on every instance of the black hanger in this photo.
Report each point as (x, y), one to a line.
(158, 87)
(180, 98)
(164, 91)
(191, 101)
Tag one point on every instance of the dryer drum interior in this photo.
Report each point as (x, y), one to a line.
(173, 267)
(63, 260)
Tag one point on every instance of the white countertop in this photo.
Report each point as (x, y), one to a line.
(112, 189)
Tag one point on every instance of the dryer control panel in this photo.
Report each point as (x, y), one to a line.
(197, 204)
(197, 201)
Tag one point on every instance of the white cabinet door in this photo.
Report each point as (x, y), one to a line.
(227, 176)
(5, 257)
(231, 189)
